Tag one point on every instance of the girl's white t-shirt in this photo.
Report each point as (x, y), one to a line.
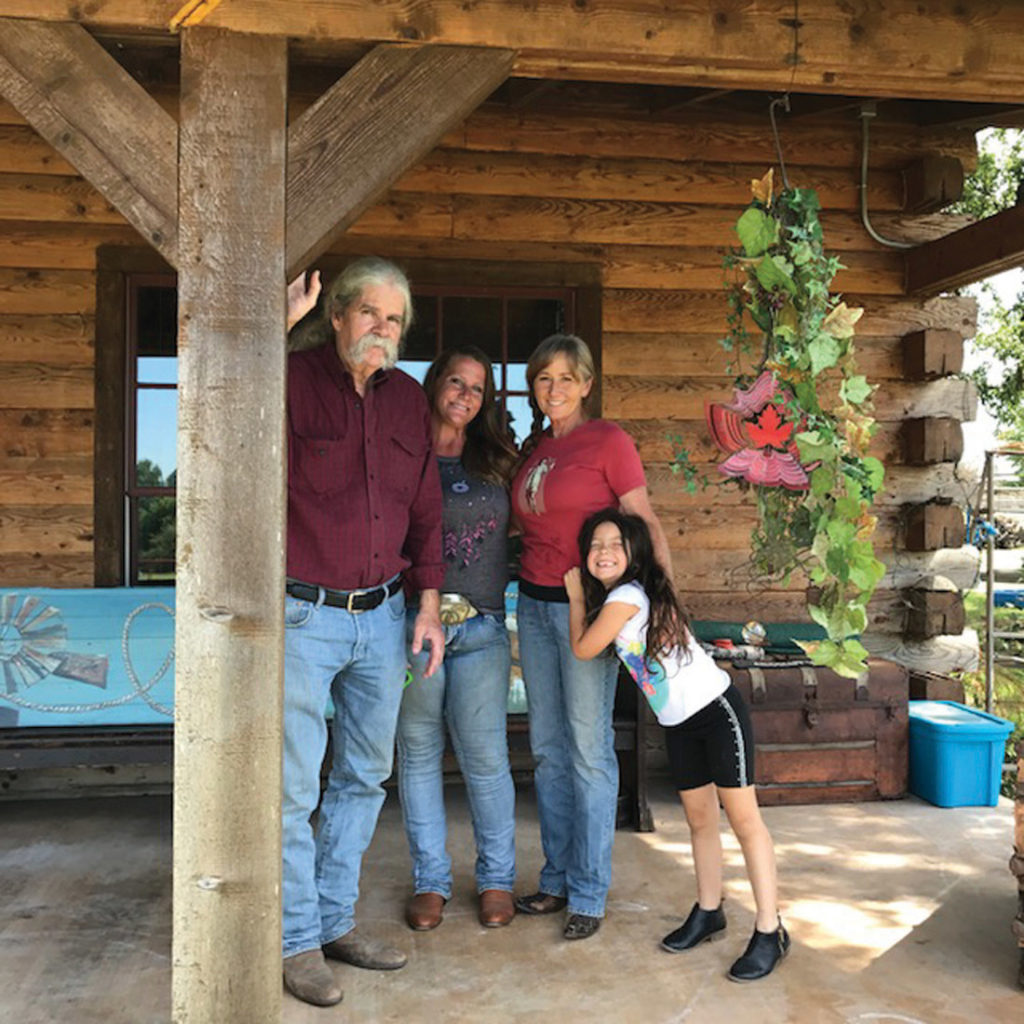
(677, 685)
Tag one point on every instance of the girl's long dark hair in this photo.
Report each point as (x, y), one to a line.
(668, 624)
(490, 452)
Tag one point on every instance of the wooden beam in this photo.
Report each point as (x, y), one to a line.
(390, 110)
(899, 48)
(931, 353)
(229, 635)
(932, 182)
(968, 255)
(99, 118)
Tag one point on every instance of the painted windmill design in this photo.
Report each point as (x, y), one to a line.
(33, 645)
(758, 435)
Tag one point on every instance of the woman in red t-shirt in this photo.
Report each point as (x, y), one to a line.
(570, 469)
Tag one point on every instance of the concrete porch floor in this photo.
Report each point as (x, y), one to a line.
(899, 912)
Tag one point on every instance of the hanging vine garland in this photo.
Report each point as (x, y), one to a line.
(800, 425)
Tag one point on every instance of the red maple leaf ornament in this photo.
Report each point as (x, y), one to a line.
(753, 430)
(769, 430)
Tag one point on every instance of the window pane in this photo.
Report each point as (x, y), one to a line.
(157, 323)
(157, 438)
(155, 526)
(421, 341)
(516, 373)
(472, 322)
(416, 368)
(157, 370)
(530, 321)
(521, 415)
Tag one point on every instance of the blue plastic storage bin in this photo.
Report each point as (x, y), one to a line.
(956, 754)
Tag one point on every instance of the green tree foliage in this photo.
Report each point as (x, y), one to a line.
(996, 185)
(156, 515)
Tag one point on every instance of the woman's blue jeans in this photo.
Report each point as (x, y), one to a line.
(358, 662)
(469, 694)
(573, 743)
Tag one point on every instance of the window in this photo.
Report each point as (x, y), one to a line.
(137, 373)
(151, 428)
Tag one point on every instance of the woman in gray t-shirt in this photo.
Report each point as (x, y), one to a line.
(470, 690)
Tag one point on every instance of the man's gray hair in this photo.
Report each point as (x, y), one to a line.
(361, 274)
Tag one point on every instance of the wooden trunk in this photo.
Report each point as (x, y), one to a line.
(822, 738)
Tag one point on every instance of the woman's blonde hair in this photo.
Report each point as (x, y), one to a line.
(580, 361)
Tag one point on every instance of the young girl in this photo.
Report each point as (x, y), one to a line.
(623, 596)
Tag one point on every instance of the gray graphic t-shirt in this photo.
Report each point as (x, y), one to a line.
(474, 536)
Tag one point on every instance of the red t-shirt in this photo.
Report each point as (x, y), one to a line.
(563, 481)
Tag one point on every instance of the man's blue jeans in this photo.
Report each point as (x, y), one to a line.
(358, 662)
(469, 693)
(573, 743)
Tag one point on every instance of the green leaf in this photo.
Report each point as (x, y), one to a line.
(819, 615)
(875, 471)
(824, 351)
(814, 448)
(822, 480)
(855, 390)
(757, 230)
(772, 276)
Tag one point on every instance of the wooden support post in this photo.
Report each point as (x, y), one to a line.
(931, 439)
(933, 525)
(932, 353)
(931, 183)
(231, 515)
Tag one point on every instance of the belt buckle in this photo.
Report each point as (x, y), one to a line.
(348, 602)
(455, 610)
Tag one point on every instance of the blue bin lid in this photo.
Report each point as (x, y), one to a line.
(948, 716)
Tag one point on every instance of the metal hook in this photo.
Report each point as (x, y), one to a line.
(779, 101)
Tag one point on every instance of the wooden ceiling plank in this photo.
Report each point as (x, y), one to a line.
(98, 118)
(388, 112)
(890, 48)
(968, 255)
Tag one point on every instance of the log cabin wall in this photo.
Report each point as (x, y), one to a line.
(583, 182)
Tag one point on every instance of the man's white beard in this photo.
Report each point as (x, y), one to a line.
(362, 347)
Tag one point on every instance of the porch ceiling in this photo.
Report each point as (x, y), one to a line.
(893, 48)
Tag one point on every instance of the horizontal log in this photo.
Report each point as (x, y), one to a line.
(933, 53)
(47, 197)
(57, 480)
(44, 386)
(65, 340)
(684, 397)
(44, 246)
(902, 485)
(935, 612)
(451, 171)
(700, 355)
(43, 531)
(638, 222)
(28, 569)
(932, 353)
(660, 441)
(931, 439)
(975, 252)
(886, 610)
(960, 566)
(45, 292)
(644, 311)
(939, 654)
(693, 136)
(932, 182)
(24, 151)
(45, 433)
(933, 525)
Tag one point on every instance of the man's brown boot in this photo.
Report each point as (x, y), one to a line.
(374, 956)
(307, 977)
(424, 911)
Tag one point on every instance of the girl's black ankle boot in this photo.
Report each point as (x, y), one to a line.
(763, 952)
(700, 926)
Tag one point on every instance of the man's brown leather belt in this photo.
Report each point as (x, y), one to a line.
(350, 600)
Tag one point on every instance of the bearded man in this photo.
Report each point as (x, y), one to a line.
(364, 522)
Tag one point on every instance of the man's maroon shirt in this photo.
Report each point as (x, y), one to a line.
(364, 498)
